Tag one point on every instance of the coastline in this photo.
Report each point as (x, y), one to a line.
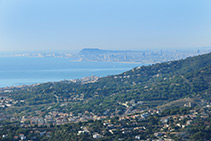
(17, 71)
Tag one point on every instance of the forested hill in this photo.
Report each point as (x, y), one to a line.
(156, 72)
(144, 86)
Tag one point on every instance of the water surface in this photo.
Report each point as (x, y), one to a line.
(28, 70)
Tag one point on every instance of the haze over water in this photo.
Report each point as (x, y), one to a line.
(16, 71)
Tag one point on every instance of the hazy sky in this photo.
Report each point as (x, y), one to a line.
(105, 24)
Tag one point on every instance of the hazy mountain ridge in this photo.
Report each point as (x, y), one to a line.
(142, 56)
(149, 56)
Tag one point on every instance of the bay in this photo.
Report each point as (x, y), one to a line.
(16, 71)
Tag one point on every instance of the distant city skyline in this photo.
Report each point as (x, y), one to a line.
(40, 25)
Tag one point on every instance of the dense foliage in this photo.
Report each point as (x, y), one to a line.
(166, 81)
(141, 88)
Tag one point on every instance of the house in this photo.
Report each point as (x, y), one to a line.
(164, 119)
(145, 115)
(97, 136)
(4, 136)
(15, 138)
(83, 132)
(158, 134)
(137, 137)
(22, 136)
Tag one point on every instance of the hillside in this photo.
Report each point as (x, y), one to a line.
(150, 85)
(165, 100)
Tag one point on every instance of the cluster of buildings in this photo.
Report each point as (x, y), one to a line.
(171, 125)
(144, 56)
(126, 124)
(34, 135)
(6, 102)
(56, 118)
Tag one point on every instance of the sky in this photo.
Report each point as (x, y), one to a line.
(28, 25)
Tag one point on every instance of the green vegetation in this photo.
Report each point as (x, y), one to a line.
(129, 127)
(186, 82)
(166, 81)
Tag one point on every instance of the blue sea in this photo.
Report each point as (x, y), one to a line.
(16, 71)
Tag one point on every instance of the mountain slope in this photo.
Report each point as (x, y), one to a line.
(139, 88)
